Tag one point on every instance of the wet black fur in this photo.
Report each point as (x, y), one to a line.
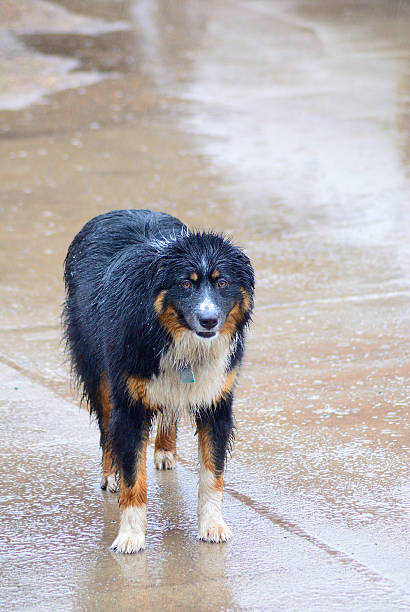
(114, 270)
(219, 425)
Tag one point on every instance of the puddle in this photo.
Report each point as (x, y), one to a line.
(28, 77)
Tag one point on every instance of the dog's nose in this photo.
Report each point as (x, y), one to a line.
(208, 322)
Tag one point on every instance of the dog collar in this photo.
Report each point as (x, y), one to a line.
(187, 375)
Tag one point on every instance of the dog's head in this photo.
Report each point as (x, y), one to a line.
(205, 285)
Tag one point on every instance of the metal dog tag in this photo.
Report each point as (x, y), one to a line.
(187, 375)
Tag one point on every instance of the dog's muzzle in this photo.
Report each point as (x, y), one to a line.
(206, 320)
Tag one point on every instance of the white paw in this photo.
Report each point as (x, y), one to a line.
(164, 460)
(128, 542)
(214, 531)
(111, 483)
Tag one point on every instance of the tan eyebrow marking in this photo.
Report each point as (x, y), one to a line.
(216, 274)
(193, 276)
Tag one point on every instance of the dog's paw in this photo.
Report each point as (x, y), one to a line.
(128, 542)
(164, 460)
(214, 531)
(111, 483)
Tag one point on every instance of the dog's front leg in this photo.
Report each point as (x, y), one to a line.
(129, 437)
(214, 436)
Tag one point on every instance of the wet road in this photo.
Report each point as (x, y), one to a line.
(287, 125)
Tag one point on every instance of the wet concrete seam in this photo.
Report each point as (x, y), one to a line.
(291, 20)
(35, 377)
(260, 509)
(294, 529)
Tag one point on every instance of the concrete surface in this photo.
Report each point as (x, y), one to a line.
(285, 124)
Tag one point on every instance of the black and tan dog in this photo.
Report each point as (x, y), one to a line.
(155, 321)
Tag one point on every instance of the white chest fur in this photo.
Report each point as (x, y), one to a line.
(208, 359)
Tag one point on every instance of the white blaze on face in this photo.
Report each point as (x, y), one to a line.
(207, 309)
(207, 306)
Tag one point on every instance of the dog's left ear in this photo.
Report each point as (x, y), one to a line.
(245, 259)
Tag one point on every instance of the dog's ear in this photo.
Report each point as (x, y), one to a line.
(246, 272)
(158, 269)
(245, 259)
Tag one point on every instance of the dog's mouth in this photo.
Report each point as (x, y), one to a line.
(209, 334)
(191, 326)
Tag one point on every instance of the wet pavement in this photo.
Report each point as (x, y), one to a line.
(285, 124)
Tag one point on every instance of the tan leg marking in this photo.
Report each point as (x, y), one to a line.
(133, 503)
(109, 479)
(165, 447)
(211, 526)
(137, 494)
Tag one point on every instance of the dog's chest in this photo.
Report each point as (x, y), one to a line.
(173, 396)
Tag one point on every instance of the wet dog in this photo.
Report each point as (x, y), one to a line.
(155, 321)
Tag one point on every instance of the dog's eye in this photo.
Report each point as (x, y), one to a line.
(222, 283)
(186, 284)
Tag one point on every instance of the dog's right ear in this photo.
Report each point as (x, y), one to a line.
(158, 267)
